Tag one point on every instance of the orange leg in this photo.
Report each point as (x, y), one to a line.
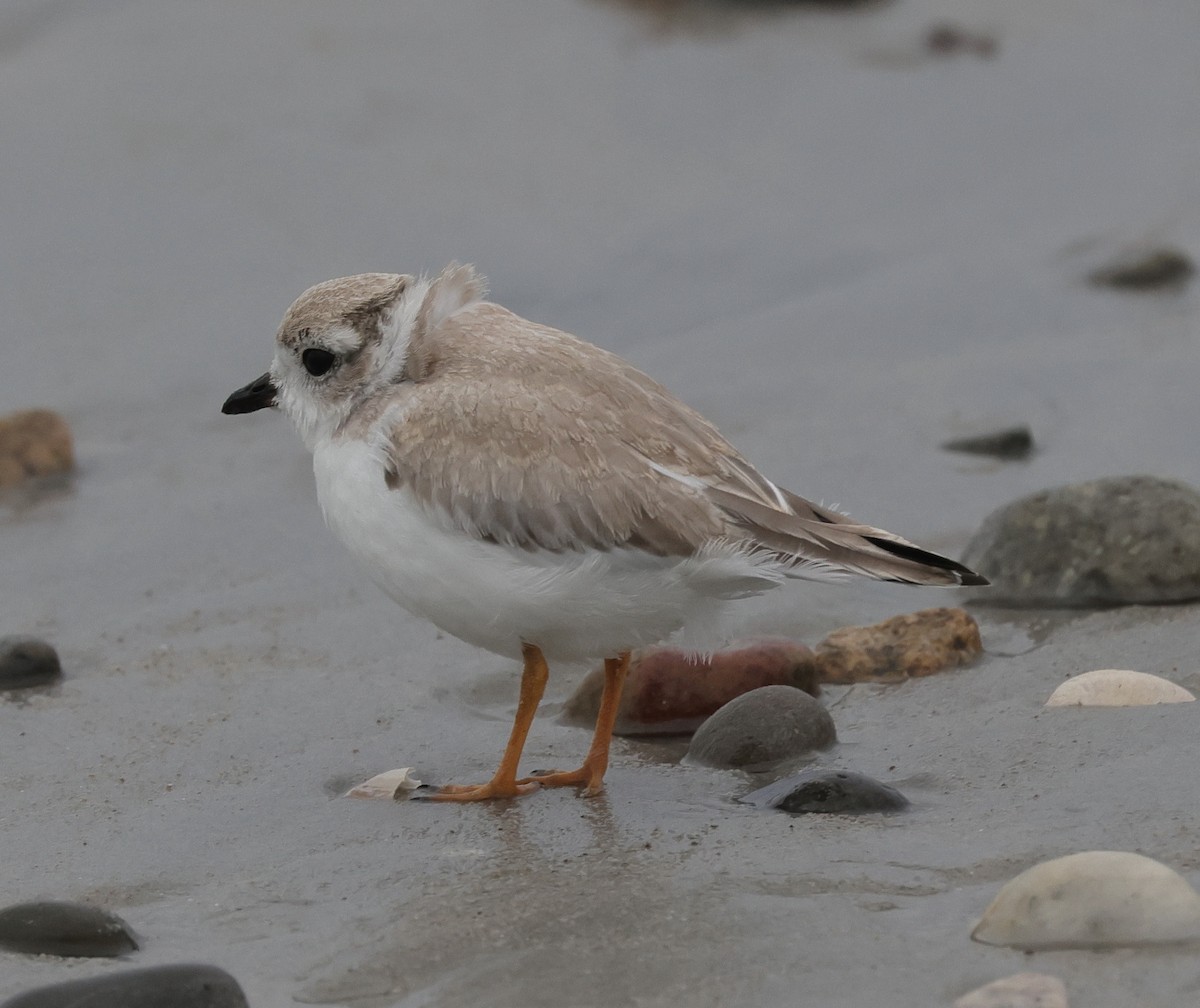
(504, 783)
(591, 774)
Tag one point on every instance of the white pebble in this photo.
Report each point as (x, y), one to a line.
(1021, 990)
(1117, 688)
(1094, 899)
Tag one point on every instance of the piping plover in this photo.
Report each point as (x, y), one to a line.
(533, 494)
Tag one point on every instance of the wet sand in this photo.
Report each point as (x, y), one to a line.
(840, 248)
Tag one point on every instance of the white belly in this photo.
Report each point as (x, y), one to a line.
(574, 606)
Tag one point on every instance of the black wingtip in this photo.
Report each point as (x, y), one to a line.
(962, 575)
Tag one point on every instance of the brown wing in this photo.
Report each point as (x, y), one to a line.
(526, 436)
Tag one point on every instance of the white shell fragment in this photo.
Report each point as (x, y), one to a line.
(392, 784)
(1021, 990)
(1094, 899)
(1117, 688)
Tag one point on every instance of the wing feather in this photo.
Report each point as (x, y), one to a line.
(525, 436)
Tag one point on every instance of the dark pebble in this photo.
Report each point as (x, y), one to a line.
(175, 986)
(1010, 444)
(27, 661)
(832, 791)
(64, 929)
(947, 39)
(761, 728)
(1157, 269)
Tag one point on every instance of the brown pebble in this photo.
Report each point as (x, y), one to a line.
(671, 691)
(11, 472)
(34, 443)
(910, 645)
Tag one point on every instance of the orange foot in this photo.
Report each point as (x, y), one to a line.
(475, 792)
(590, 776)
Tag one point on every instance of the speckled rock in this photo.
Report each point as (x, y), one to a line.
(27, 661)
(1146, 270)
(64, 929)
(913, 644)
(34, 443)
(176, 986)
(671, 691)
(841, 792)
(1021, 990)
(761, 728)
(1093, 899)
(1128, 539)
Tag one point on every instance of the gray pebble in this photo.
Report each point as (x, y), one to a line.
(27, 661)
(175, 986)
(829, 791)
(1120, 540)
(762, 727)
(64, 929)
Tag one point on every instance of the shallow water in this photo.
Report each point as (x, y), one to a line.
(840, 248)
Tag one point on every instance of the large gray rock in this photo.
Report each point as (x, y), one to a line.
(1120, 540)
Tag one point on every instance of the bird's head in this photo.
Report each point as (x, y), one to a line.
(343, 340)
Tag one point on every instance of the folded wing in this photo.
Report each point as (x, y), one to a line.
(524, 436)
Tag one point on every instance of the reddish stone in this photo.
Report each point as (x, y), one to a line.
(671, 691)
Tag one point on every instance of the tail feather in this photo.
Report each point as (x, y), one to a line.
(808, 535)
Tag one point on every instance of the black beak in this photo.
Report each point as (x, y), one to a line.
(259, 394)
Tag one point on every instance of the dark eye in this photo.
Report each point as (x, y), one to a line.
(317, 362)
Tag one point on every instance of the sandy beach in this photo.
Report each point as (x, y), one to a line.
(843, 246)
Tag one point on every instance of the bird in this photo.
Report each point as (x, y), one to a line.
(534, 494)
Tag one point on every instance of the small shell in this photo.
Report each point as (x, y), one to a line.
(1021, 990)
(1117, 688)
(391, 784)
(1094, 899)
